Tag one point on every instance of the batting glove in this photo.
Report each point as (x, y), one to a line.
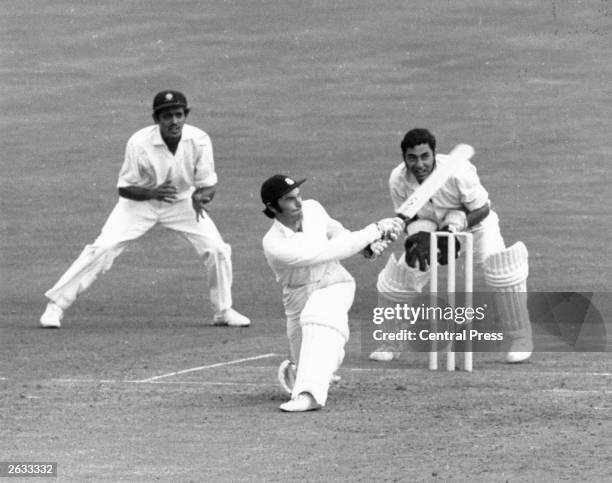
(390, 228)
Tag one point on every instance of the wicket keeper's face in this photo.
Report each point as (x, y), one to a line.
(420, 161)
(171, 122)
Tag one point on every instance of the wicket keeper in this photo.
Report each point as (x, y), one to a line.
(461, 204)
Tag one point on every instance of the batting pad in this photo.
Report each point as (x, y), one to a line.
(321, 354)
(508, 268)
(393, 325)
(398, 281)
(506, 272)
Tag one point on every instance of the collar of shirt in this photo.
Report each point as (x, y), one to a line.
(285, 230)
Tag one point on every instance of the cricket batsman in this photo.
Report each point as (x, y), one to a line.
(304, 247)
(460, 204)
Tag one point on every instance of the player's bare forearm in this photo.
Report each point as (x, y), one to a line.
(135, 193)
(164, 192)
(462, 219)
(476, 216)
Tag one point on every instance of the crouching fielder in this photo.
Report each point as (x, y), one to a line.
(303, 247)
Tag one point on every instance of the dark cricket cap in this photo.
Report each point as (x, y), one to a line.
(169, 98)
(276, 186)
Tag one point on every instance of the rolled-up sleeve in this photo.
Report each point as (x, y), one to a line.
(473, 194)
(205, 175)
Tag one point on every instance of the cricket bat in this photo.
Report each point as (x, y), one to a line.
(459, 155)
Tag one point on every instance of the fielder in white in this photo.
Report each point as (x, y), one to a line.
(167, 178)
(303, 247)
(461, 204)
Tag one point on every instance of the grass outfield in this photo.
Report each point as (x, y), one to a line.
(323, 90)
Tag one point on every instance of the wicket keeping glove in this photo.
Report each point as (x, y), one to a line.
(417, 249)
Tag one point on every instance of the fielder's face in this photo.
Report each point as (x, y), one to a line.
(290, 206)
(420, 161)
(171, 122)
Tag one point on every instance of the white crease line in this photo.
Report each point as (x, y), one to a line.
(192, 383)
(210, 366)
(213, 383)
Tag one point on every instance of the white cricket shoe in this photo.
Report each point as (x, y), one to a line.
(520, 350)
(52, 317)
(303, 402)
(286, 375)
(382, 356)
(231, 318)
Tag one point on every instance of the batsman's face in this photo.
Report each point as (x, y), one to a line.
(420, 161)
(290, 205)
(171, 122)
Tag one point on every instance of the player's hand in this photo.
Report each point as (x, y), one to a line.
(164, 192)
(390, 228)
(375, 249)
(443, 247)
(417, 250)
(200, 199)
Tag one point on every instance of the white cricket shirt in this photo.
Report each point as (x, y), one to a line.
(463, 189)
(312, 255)
(148, 161)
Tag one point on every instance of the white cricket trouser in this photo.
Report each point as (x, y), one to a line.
(130, 220)
(323, 332)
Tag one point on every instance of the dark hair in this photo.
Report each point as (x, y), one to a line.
(268, 212)
(417, 136)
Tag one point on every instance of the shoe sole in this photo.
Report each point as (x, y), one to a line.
(225, 324)
(312, 408)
